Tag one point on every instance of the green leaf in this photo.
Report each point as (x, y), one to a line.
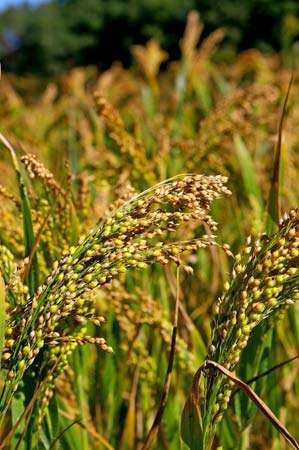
(128, 434)
(273, 209)
(2, 315)
(29, 238)
(55, 443)
(191, 420)
(17, 410)
(191, 424)
(255, 359)
(258, 402)
(80, 385)
(248, 171)
(52, 419)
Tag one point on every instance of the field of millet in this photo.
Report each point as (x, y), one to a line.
(149, 254)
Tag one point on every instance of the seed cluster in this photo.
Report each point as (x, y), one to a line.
(52, 210)
(59, 350)
(264, 281)
(135, 235)
(36, 169)
(140, 167)
(12, 274)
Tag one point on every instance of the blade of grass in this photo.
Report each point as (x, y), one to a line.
(96, 436)
(88, 426)
(158, 417)
(52, 418)
(273, 209)
(267, 372)
(128, 435)
(257, 356)
(27, 218)
(25, 415)
(35, 247)
(273, 216)
(191, 420)
(257, 400)
(2, 315)
(60, 435)
(80, 386)
(251, 185)
(17, 409)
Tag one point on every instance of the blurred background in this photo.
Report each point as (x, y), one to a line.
(48, 37)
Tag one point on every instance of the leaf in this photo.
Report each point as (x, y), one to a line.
(2, 315)
(256, 356)
(53, 418)
(128, 435)
(258, 401)
(60, 435)
(34, 248)
(81, 393)
(248, 171)
(165, 392)
(17, 413)
(228, 438)
(21, 416)
(272, 369)
(245, 414)
(191, 420)
(27, 218)
(191, 424)
(274, 194)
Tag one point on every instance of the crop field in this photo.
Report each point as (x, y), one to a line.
(149, 248)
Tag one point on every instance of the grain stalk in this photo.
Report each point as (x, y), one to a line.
(264, 282)
(43, 331)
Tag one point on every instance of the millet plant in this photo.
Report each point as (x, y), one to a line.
(117, 287)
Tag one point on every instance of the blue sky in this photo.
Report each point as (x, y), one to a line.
(5, 3)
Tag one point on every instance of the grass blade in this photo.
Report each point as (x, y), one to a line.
(60, 435)
(267, 372)
(257, 400)
(158, 418)
(191, 420)
(27, 218)
(2, 315)
(274, 194)
(128, 436)
(248, 171)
